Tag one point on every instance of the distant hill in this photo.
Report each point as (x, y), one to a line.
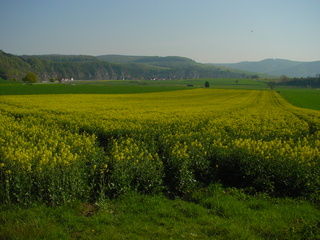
(57, 66)
(277, 67)
(194, 68)
(119, 58)
(85, 67)
(171, 61)
(63, 58)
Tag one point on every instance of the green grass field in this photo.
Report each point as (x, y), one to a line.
(183, 82)
(123, 86)
(302, 97)
(211, 213)
(27, 89)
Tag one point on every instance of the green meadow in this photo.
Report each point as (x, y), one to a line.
(123, 86)
(210, 213)
(31, 89)
(302, 97)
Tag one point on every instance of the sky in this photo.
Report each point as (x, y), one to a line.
(209, 31)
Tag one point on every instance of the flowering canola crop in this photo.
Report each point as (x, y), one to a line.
(58, 148)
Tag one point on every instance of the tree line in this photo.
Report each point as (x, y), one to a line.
(311, 82)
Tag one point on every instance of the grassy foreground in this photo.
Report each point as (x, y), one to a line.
(211, 213)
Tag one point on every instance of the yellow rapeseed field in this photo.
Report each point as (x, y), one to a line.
(57, 148)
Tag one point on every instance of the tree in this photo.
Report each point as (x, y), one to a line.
(271, 84)
(284, 78)
(206, 84)
(30, 78)
(3, 75)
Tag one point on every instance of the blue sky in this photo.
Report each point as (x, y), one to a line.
(205, 30)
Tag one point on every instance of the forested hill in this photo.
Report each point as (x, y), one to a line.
(150, 60)
(119, 67)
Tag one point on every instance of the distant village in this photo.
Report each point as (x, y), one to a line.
(63, 80)
(60, 80)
